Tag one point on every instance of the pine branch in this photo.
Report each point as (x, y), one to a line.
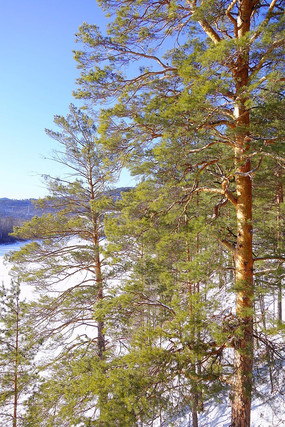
(210, 31)
(228, 245)
(275, 257)
(265, 271)
(224, 192)
(230, 16)
(264, 22)
(229, 195)
(214, 36)
(257, 68)
(156, 303)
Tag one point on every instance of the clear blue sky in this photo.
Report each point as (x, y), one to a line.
(37, 76)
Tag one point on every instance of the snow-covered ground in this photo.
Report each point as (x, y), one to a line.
(5, 278)
(269, 414)
(4, 268)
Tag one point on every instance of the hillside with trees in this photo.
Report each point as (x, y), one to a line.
(13, 213)
(171, 296)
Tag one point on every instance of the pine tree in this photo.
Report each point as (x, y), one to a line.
(75, 209)
(19, 345)
(199, 100)
(64, 261)
(165, 302)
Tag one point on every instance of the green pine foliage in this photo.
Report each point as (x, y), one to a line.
(64, 261)
(164, 297)
(166, 315)
(19, 344)
(188, 117)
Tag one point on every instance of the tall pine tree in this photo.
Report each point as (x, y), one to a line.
(66, 259)
(199, 99)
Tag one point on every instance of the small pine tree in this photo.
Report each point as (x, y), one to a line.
(19, 344)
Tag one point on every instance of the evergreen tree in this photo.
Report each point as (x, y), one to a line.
(68, 252)
(192, 114)
(64, 261)
(162, 314)
(19, 345)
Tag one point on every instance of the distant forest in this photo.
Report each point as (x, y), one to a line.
(14, 213)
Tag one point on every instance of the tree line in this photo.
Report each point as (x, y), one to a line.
(12, 214)
(6, 227)
(154, 304)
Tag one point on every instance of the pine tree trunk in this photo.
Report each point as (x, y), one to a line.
(98, 269)
(100, 295)
(279, 242)
(268, 355)
(243, 342)
(15, 404)
(191, 291)
(102, 398)
(194, 414)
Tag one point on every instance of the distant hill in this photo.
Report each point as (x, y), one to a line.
(20, 209)
(14, 212)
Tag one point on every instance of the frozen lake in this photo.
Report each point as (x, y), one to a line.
(4, 249)
(5, 267)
